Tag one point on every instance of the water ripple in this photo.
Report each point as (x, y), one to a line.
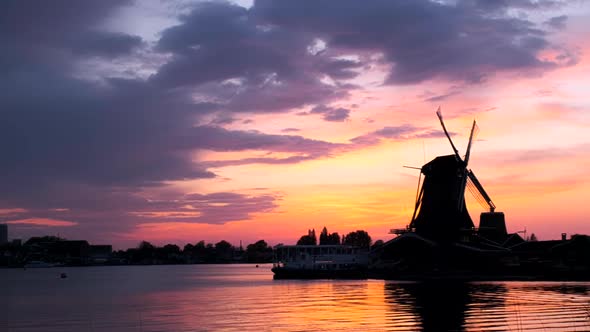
(245, 298)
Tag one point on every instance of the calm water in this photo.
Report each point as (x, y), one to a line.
(246, 298)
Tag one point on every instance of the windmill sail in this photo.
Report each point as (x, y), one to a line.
(440, 212)
(440, 118)
(474, 131)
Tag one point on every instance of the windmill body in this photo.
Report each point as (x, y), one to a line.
(442, 215)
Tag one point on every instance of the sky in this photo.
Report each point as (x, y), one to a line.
(179, 121)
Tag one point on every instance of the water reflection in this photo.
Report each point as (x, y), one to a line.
(506, 306)
(438, 306)
(244, 298)
(274, 306)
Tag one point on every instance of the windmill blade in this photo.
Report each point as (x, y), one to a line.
(464, 179)
(482, 191)
(439, 114)
(474, 131)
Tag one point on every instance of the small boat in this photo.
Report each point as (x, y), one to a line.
(320, 262)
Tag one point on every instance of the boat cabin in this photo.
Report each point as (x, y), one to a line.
(320, 257)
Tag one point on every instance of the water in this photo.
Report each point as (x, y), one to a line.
(246, 298)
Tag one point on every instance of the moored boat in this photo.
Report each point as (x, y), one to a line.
(320, 262)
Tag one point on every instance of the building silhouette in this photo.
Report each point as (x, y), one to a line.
(3, 233)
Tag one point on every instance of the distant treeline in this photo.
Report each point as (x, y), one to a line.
(201, 252)
(359, 238)
(59, 251)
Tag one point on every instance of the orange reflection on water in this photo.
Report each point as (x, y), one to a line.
(283, 306)
(251, 301)
(246, 298)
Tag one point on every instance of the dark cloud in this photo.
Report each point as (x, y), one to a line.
(223, 119)
(290, 130)
(274, 95)
(214, 208)
(208, 23)
(262, 160)
(50, 31)
(86, 146)
(116, 213)
(340, 68)
(401, 132)
(106, 44)
(301, 149)
(220, 139)
(503, 5)
(441, 97)
(422, 39)
(557, 22)
(96, 150)
(432, 97)
(330, 113)
(99, 136)
(218, 41)
(272, 67)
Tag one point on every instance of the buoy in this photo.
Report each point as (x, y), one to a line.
(63, 275)
(256, 265)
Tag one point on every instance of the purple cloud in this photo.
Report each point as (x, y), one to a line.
(220, 139)
(402, 132)
(330, 113)
(423, 39)
(114, 213)
(46, 32)
(82, 145)
(302, 149)
(214, 208)
(273, 68)
(557, 22)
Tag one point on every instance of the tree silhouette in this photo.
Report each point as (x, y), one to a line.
(188, 248)
(144, 254)
(259, 252)
(145, 246)
(358, 238)
(171, 249)
(308, 239)
(223, 251)
(334, 238)
(377, 244)
(326, 238)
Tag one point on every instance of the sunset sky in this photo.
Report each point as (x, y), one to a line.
(179, 121)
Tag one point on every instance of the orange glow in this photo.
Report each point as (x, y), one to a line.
(43, 222)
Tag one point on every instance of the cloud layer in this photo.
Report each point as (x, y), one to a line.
(94, 144)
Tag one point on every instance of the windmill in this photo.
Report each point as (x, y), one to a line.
(440, 213)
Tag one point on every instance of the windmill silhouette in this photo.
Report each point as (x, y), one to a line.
(441, 241)
(440, 212)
